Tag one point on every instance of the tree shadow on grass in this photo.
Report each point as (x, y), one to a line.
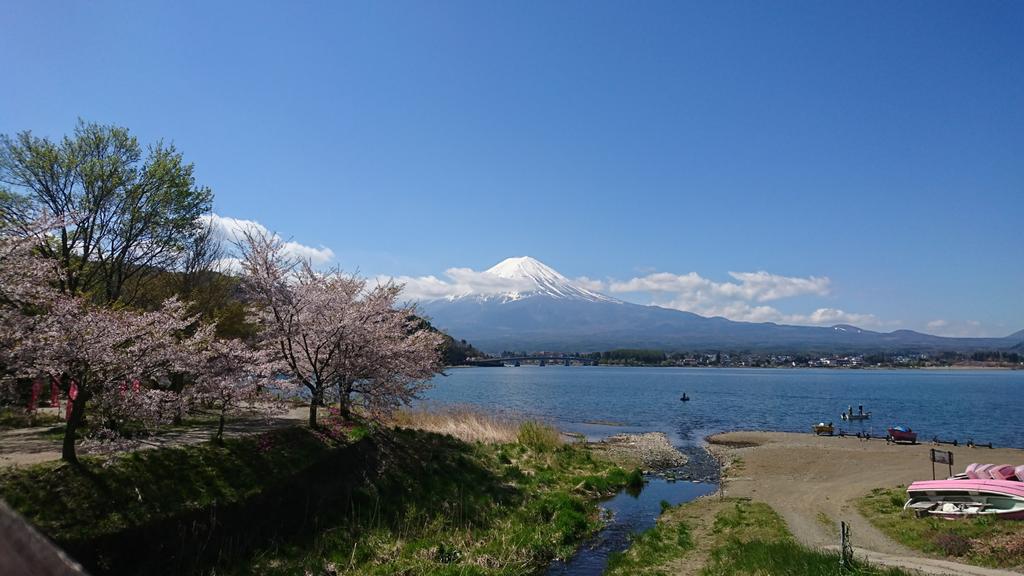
(193, 509)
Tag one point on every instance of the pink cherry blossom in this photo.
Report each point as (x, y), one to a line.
(327, 331)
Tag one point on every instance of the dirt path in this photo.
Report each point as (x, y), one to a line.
(27, 446)
(813, 482)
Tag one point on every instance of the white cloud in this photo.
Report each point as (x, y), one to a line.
(460, 282)
(742, 299)
(960, 329)
(746, 312)
(829, 316)
(590, 284)
(231, 229)
(759, 286)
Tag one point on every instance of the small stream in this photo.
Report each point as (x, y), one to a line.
(627, 514)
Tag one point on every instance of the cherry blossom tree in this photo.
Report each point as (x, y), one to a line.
(121, 360)
(233, 380)
(25, 287)
(118, 363)
(328, 331)
(392, 358)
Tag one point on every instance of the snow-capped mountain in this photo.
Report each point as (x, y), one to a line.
(528, 277)
(523, 304)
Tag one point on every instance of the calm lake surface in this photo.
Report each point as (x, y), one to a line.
(986, 406)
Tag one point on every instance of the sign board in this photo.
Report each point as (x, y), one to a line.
(942, 457)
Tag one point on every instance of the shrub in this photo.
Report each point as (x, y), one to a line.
(635, 479)
(538, 437)
(952, 544)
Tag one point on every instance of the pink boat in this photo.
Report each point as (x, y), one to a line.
(971, 471)
(981, 472)
(959, 498)
(1002, 472)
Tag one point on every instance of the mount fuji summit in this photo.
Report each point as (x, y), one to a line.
(531, 278)
(528, 306)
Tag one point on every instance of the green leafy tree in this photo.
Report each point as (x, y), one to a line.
(126, 213)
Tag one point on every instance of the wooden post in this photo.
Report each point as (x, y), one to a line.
(845, 546)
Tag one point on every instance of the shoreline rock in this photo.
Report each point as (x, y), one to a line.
(652, 449)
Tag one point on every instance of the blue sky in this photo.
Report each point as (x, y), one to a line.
(877, 145)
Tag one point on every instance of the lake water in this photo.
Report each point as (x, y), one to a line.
(986, 406)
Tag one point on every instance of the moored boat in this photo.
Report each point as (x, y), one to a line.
(822, 429)
(959, 498)
(902, 434)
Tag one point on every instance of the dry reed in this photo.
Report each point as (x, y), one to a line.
(462, 422)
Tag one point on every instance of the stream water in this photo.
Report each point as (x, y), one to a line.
(627, 514)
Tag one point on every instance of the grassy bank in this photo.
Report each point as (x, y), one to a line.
(505, 508)
(980, 541)
(720, 537)
(397, 501)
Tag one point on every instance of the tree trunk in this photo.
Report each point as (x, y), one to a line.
(220, 429)
(68, 453)
(345, 401)
(315, 401)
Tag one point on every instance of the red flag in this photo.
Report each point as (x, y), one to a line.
(72, 394)
(37, 387)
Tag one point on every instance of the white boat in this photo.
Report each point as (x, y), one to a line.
(859, 415)
(982, 490)
(967, 497)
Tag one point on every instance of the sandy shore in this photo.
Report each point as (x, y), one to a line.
(813, 482)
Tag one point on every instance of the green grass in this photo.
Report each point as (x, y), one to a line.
(784, 558)
(651, 549)
(100, 498)
(750, 538)
(734, 537)
(289, 501)
(982, 541)
(507, 510)
(538, 437)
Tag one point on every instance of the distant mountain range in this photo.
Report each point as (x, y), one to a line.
(548, 312)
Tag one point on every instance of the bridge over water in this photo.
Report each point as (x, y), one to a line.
(541, 360)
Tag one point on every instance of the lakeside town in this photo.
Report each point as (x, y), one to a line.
(975, 360)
